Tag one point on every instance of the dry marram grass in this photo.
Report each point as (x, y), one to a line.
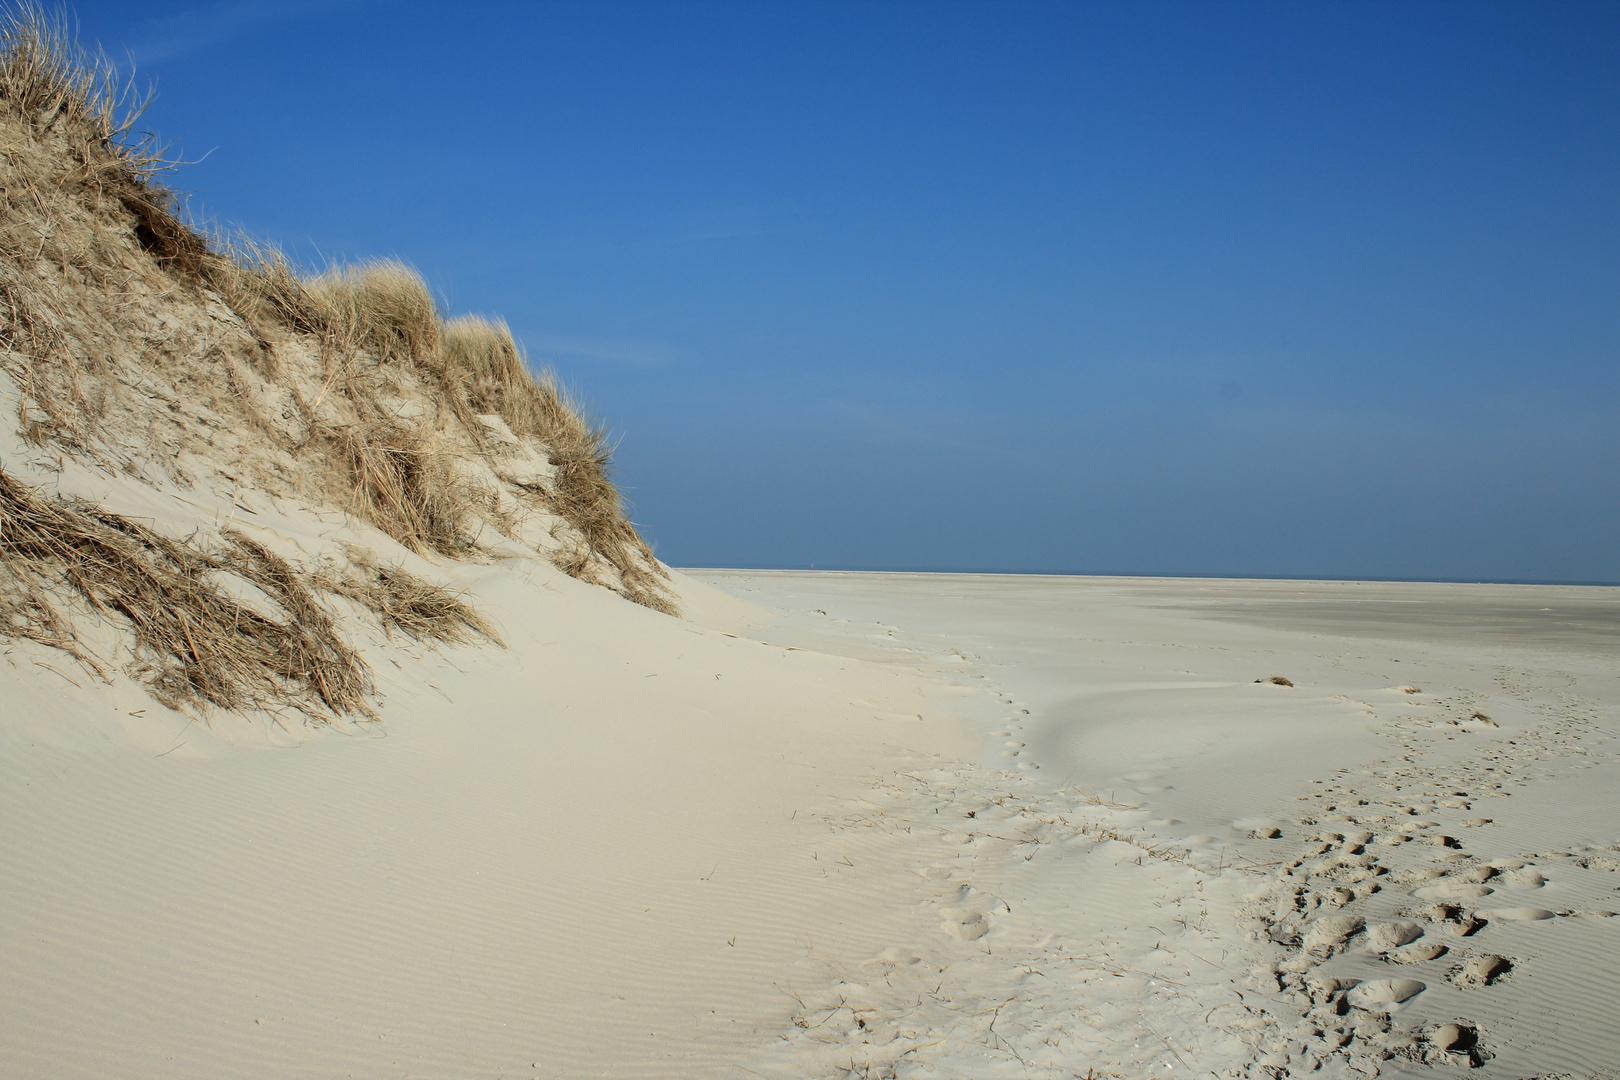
(401, 601)
(483, 358)
(404, 488)
(142, 344)
(195, 644)
(384, 306)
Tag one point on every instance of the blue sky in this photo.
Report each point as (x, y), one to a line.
(1207, 288)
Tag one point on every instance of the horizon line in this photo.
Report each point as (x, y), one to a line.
(1177, 576)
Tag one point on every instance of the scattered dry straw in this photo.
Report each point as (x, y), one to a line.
(195, 643)
(92, 248)
(404, 602)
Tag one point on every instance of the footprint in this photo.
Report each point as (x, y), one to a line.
(1386, 937)
(1453, 890)
(1331, 930)
(1482, 970)
(1380, 995)
(1421, 953)
(964, 924)
(1454, 919)
(1528, 878)
(1520, 914)
(1338, 896)
(1457, 1043)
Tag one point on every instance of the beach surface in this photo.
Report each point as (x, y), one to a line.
(843, 825)
(1358, 828)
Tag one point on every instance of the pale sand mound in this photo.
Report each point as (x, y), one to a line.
(259, 815)
(599, 850)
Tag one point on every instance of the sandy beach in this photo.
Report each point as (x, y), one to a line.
(350, 727)
(835, 824)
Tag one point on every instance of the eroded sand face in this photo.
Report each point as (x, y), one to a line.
(1407, 858)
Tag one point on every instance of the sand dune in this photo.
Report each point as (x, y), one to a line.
(349, 728)
(581, 852)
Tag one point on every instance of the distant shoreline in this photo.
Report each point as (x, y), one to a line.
(1143, 576)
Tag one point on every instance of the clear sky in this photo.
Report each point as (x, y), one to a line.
(1297, 289)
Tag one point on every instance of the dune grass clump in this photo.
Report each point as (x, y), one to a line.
(380, 321)
(259, 283)
(48, 77)
(53, 85)
(482, 357)
(194, 643)
(105, 290)
(68, 103)
(406, 489)
(383, 306)
(404, 602)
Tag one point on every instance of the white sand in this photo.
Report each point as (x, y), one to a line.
(631, 845)
(1257, 956)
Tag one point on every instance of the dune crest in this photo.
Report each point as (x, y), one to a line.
(137, 347)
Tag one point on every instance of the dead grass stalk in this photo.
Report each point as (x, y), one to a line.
(484, 359)
(404, 602)
(195, 644)
(384, 306)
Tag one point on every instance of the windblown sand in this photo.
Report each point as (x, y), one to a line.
(843, 825)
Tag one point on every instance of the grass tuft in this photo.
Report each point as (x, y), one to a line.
(195, 644)
(52, 82)
(404, 602)
(406, 490)
(482, 358)
(383, 306)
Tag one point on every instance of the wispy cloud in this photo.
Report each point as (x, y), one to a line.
(207, 25)
(635, 354)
